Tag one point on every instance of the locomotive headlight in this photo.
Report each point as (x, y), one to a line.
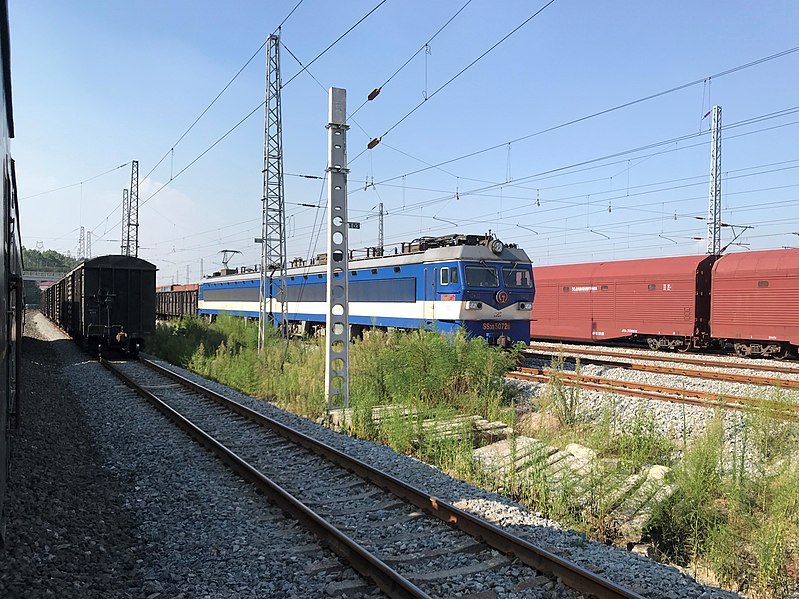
(497, 246)
(474, 305)
(525, 305)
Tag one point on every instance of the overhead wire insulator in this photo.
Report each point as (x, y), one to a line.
(374, 94)
(372, 144)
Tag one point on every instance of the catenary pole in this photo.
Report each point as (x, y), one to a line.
(337, 385)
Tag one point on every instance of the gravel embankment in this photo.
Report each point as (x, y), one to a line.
(109, 500)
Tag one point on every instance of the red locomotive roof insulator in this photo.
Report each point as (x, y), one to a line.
(373, 143)
(374, 94)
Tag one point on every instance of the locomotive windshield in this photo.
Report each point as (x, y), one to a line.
(481, 276)
(517, 278)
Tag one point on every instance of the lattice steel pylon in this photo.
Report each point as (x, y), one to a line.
(380, 237)
(82, 244)
(88, 245)
(133, 220)
(273, 223)
(123, 248)
(714, 203)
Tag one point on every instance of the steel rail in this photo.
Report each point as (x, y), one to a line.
(680, 359)
(657, 392)
(730, 377)
(386, 578)
(572, 575)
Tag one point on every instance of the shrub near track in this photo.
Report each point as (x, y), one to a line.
(421, 371)
(734, 515)
(736, 510)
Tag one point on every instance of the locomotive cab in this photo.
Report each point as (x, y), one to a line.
(491, 292)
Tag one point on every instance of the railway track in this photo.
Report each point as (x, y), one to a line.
(636, 354)
(657, 392)
(730, 377)
(402, 540)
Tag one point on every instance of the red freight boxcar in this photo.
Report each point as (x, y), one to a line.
(755, 302)
(665, 301)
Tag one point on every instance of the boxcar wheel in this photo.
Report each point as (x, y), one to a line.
(783, 353)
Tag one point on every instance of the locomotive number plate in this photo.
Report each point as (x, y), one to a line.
(496, 326)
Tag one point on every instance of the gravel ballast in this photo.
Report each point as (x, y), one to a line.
(107, 499)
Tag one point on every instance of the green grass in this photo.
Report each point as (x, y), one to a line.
(736, 511)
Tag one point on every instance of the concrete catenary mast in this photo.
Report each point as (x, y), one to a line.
(337, 383)
(273, 222)
(714, 203)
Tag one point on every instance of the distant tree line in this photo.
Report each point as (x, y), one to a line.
(49, 260)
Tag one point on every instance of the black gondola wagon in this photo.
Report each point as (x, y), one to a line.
(105, 303)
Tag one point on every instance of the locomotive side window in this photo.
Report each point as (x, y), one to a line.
(453, 275)
(517, 278)
(762, 283)
(445, 276)
(481, 276)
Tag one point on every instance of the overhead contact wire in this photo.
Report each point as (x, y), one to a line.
(41, 193)
(342, 36)
(224, 89)
(207, 108)
(261, 105)
(377, 90)
(602, 112)
(461, 72)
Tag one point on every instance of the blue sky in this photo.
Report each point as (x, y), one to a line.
(99, 83)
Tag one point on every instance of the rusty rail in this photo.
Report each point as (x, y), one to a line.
(730, 377)
(674, 358)
(658, 392)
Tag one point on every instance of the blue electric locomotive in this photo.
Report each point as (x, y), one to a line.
(471, 281)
